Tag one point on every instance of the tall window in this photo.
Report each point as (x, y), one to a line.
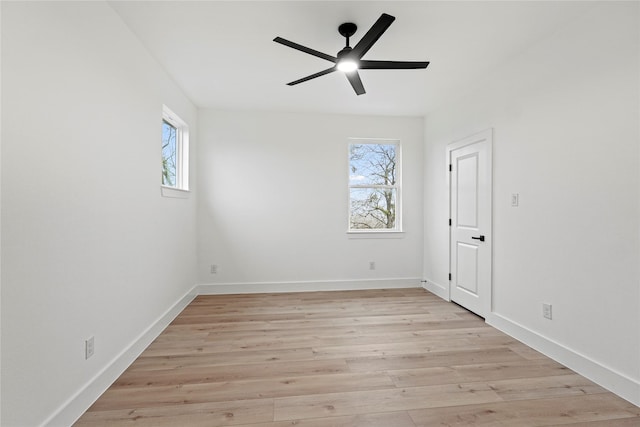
(374, 185)
(175, 151)
(169, 154)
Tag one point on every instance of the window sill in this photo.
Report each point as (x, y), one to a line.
(375, 234)
(174, 193)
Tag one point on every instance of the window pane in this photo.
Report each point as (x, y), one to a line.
(372, 164)
(169, 154)
(372, 208)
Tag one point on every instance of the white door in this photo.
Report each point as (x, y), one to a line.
(470, 225)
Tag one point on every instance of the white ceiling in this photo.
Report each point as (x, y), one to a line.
(222, 54)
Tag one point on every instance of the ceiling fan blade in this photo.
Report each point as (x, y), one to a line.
(356, 83)
(391, 65)
(313, 76)
(305, 49)
(372, 35)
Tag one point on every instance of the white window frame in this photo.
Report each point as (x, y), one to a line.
(181, 189)
(376, 232)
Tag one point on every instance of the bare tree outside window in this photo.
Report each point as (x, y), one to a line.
(373, 186)
(169, 154)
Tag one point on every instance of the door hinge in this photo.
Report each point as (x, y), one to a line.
(449, 222)
(450, 168)
(449, 276)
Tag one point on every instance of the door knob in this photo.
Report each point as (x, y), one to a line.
(481, 238)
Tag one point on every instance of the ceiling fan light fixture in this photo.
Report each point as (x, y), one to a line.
(349, 59)
(347, 65)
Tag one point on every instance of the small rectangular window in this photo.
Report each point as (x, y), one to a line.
(169, 154)
(374, 185)
(175, 151)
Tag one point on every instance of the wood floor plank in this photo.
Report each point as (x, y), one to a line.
(214, 414)
(218, 373)
(544, 387)
(511, 370)
(397, 399)
(618, 422)
(526, 352)
(200, 391)
(204, 356)
(375, 358)
(425, 376)
(529, 413)
(419, 344)
(385, 419)
(433, 359)
(478, 372)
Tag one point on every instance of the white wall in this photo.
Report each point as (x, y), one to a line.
(565, 115)
(0, 219)
(89, 247)
(273, 202)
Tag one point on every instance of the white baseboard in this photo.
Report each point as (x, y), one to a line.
(614, 381)
(75, 406)
(437, 289)
(305, 286)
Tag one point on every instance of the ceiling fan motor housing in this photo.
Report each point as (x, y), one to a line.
(344, 53)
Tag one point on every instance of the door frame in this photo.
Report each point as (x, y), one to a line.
(486, 136)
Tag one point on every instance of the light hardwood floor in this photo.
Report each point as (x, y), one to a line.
(375, 358)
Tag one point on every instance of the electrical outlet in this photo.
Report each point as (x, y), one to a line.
(372, 265)
(214, 269)
(89, 347)
(546, 311)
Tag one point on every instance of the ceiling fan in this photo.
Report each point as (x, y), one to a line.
(349, 60)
